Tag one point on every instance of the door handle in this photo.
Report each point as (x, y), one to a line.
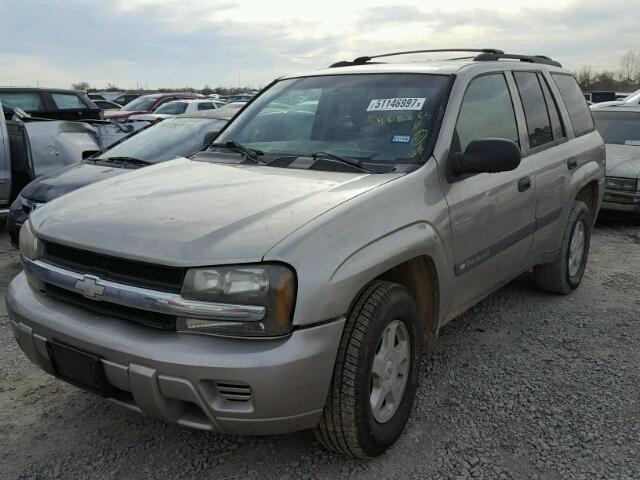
(572, 163)
(524, 184)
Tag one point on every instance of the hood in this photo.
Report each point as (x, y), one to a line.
(191, 213)
(623, 161)
(64, 180)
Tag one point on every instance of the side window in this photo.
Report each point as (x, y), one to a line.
(579, 112)
(486, 112)
(205, 106)
(535, 109)
(67, 100)
(27, 101)
(552, 108)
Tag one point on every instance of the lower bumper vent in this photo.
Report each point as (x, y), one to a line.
(234, 392)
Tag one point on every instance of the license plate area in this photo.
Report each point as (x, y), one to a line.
(79, 368)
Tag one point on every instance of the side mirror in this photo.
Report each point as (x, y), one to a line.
(209, 137)
(488, 155)
(89, 153)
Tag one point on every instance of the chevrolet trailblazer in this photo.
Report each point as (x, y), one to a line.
(290, 275)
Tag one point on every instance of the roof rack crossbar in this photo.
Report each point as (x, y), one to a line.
(490, 57)
(366, 59)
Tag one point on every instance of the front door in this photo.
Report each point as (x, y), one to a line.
(492, 214)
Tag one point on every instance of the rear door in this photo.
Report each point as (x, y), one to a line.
(492, 214)
(547, 152)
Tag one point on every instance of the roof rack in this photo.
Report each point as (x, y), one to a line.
(485, 55)
(366, 59)
(490, 57)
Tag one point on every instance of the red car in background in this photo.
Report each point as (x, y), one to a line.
(146, 104)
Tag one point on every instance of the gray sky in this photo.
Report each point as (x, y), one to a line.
(158, 43)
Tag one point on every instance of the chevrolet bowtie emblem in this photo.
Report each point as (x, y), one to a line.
(89, 287)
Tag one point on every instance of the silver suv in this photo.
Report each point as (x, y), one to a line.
(291, 275)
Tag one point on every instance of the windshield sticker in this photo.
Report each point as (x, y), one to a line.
(633, 143)
(401, 139)
(384, 104)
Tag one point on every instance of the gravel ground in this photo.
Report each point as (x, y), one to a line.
(525, 385)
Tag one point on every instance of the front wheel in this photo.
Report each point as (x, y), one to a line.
(376, 373)
(565, 274)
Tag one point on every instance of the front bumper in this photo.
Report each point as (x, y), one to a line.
(620, 201)
(281, 383)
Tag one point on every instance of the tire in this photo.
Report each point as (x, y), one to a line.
(561, 276)
(347, 425)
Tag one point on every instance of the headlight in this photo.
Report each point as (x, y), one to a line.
(270, 286)
(29, 244)
(627, 184)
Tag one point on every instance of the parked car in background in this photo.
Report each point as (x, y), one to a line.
(31, 146)
(289, 276)
(175, 137)
(95, 96)
(126, 98)
(107, 105)
(620, 129)
(177, 107)
(54, 103)
(146, 104)
(242, 97)
(599, 96)
(633, 100)
(236, 104)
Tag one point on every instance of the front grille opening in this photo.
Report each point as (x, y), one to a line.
(143, 317)
(234, 392)
(130, 272)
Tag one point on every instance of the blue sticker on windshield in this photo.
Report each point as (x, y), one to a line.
(401, 139)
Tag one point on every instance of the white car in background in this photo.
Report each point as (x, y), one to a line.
(632, 100)
(178, 107)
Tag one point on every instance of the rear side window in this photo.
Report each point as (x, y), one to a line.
(67, 101)
(486, 112)
(28, 101)
(552, 108)
(535, 109)
(206, 106)
(575, 102)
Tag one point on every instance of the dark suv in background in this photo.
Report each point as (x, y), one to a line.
(51, 103)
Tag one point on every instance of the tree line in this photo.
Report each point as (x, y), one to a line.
(207, 90)
(625, 79)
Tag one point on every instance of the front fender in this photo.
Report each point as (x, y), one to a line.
(339, 253)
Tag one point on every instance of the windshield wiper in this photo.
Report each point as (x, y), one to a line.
(124, 160)
(348, 161)
(249, 153)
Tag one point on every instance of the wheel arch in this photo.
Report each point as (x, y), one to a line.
(590, 194)
(419, 276)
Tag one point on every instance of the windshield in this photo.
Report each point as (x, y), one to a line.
(374, 118)
(622, 128)
(139, 104)
(171, 138)
(172, 108)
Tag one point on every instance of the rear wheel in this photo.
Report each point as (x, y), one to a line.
(376, 373)
(565, 274)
